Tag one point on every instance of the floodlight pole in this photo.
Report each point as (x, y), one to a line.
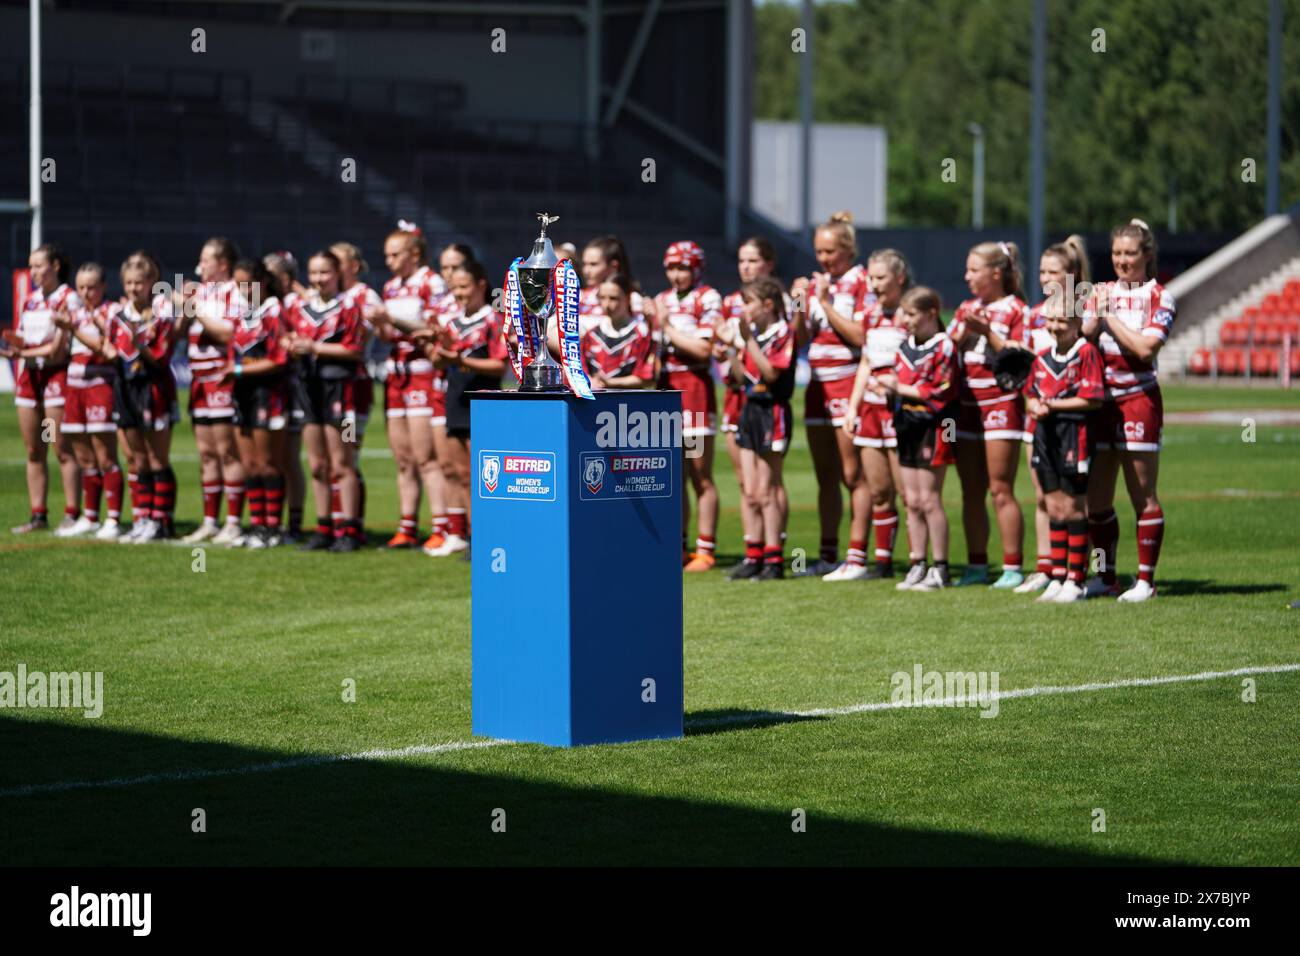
(1037, 151)
(34, 124)
(977, 187)
(806, 119)
(1274, 106)
(739, 119)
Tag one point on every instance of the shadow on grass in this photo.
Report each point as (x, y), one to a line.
(390, 812)
(1185, 587)
(700, 723)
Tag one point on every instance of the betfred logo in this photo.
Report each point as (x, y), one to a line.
(491, 471)
(594, 474)
(516, 475)
(626, 463)
(527, 465)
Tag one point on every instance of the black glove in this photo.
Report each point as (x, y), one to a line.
(1011, 368)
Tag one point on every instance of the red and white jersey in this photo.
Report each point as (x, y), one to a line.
(1076, 374)
(36, 321)
(222, 302)
(776, 342)
(335, 322)
(728, 330)
(885, 333)
(1036, 335)
(480, 335)
(829, 356)
(1148, 309)
(257, 334)
(131, 333)
(697, 313)
(976, 384)
(619, 352)
(87, 366)
(590, 312)
(930, 366)
(363, 297)
(420, 296)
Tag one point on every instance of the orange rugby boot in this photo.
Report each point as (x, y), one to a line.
(401, 540)
(700, 562)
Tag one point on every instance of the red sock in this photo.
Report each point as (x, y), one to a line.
(1150, 534)
(406, 526)
(139, 504)
(1010, 561)
(440, 523)
(113, 492)
(71, 511)
(234, 503)
(273, 504)
(857, 553)
(457, 524)
(92, 489)
(773, 556)
(885, 522)
(704, 544)
(142, 497)
(1103, 532)
(830, 550)
(256, 501)
(1060, 549)
(164, 494)
(753, 552)
(336, 502)
(324, 526)
(211, 502)
(1045, 564)
(1078, 550)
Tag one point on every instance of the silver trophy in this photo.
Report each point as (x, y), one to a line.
(543, 374)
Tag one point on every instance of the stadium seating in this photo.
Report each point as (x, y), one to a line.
(165, 158)
(1260, 337)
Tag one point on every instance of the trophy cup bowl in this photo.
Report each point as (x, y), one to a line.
(543, 374)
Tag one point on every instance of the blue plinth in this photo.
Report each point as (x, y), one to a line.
(576, 567)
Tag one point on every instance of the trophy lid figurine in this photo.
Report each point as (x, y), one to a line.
(538, 287)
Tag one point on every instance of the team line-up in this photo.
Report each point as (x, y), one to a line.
(895, 397)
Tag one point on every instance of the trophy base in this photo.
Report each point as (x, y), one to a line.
(542, 378)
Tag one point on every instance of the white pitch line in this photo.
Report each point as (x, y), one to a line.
(757, 718)
(760, 717)
(292, 763)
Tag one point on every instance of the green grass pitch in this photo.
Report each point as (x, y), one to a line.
(223, 691)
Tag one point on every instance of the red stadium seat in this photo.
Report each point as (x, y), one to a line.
(1259, 361)
(1295, 362)
(1199, 363)
(1231, 333)
(1231, 361)
(1269, 333)
(1292, 288)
